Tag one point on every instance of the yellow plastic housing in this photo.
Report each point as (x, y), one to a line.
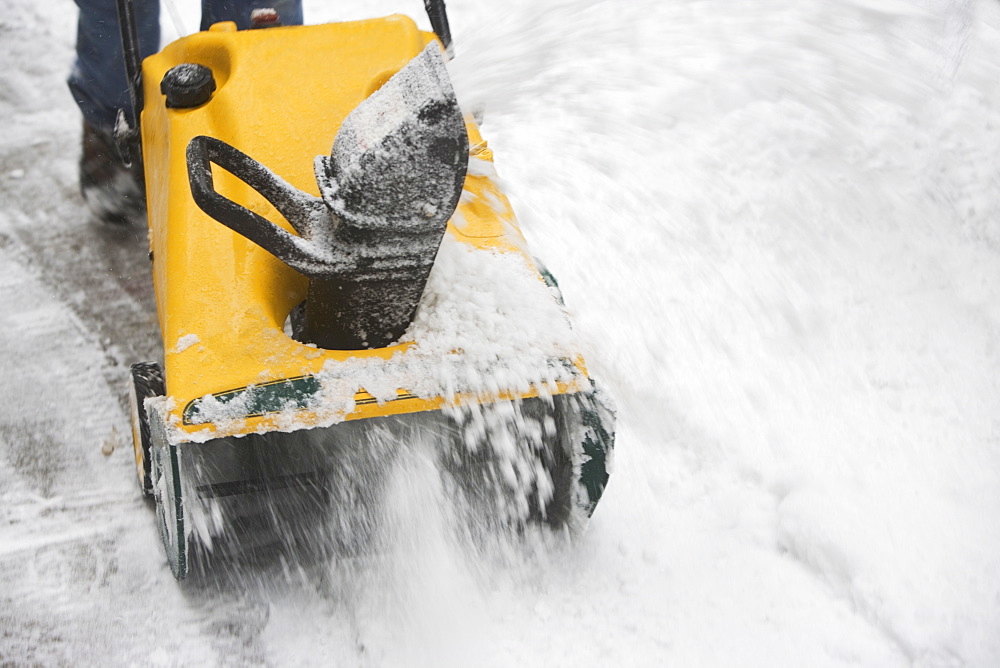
(281, 96)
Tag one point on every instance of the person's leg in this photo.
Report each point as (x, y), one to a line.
(98, 81)
(112, 191)
(213, 11)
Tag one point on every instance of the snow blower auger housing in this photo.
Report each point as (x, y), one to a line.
(306, 335)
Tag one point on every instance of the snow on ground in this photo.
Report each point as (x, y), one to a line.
(778, 226)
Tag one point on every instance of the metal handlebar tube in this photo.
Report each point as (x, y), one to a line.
(438, 15)
(130, 49)
(127, 135)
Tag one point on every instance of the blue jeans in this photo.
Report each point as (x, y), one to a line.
(98, 82)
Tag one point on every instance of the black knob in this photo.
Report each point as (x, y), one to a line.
(187, 85)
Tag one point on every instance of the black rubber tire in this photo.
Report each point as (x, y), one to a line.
(146, 380)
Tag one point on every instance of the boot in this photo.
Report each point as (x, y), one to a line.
(114, 192)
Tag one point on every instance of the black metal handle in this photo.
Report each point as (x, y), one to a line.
(128, 139)
(438, 15)
(130, 49)
(297, 207)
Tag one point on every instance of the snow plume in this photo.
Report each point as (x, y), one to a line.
(408, 550)
(322, 492)
(423, 595)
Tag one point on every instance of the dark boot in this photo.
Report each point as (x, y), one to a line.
(113, 192)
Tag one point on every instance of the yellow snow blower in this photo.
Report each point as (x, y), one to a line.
(320, 313)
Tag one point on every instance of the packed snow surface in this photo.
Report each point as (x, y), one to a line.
(777, 227)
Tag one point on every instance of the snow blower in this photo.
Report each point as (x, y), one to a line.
(320, 313)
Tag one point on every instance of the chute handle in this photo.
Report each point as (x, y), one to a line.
(297, 207)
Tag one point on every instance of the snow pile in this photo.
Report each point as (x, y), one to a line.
(487, 325)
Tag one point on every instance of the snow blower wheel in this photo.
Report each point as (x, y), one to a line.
(166, 479)
(147, 381)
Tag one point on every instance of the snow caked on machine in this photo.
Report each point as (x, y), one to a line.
(320, 314)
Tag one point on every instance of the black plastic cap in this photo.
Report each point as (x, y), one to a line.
(187, 85)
